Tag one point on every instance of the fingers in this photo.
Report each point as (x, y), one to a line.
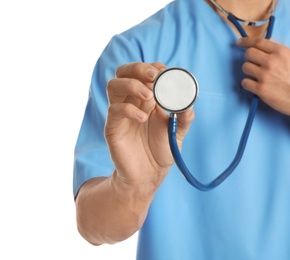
(253, 70)
(252, 86)
(119, 89)
(143, 72)
(131, 81)
(257, 56)
(260, 55)
(158, 65)
(262, 44)
(119, 111)
(259, 51)
(184, 121)
(129, 94)
(267, 68)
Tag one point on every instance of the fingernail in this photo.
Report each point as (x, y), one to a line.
(152, 73)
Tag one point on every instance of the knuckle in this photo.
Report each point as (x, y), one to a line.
(136, 68)
(126, 109)
(131, 70)
(119, 70)
(261, 86)
(269, 62)
(131, 84)
(121, 109)
(249, 52)
(245, 67)
(258, 42)
(261, 89)
(262, 79)
(111, 110)
(110, 85)
(158, 65)
(282, 52)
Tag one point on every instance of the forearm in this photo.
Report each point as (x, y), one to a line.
(109, 211)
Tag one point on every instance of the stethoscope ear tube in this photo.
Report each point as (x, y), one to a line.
(234, 21)
(173, 124)
(172, 129)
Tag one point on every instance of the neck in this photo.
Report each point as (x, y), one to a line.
(251, 10)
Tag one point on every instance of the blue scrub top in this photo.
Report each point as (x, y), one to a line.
(248, 216)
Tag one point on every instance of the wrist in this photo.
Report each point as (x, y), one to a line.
(136, 197)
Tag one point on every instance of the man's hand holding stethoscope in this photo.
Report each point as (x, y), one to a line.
(136, 126)
(268, 65)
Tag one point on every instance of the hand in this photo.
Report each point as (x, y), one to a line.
(136, 128)
(268, 65)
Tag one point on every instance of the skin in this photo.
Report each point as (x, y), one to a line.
(268, 65)
(268, 62)
(111, 209)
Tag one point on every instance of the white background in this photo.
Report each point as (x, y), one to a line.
(47, 53)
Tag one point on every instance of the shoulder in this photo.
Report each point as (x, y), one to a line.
(166, 27)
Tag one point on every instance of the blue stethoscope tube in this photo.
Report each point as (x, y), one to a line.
(173, 123)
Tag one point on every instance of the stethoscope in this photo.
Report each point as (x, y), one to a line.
(176, 89)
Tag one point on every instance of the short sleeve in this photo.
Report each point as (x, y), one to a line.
(91, 156)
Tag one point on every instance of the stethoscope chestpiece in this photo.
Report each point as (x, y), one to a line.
(175, 89)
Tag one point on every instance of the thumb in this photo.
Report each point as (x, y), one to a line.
(184, 121)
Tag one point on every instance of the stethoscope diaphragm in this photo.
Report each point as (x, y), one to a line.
(175, 89)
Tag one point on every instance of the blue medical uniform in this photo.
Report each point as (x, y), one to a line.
(248, 216)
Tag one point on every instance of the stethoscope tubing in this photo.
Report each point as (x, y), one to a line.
(173, 124)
